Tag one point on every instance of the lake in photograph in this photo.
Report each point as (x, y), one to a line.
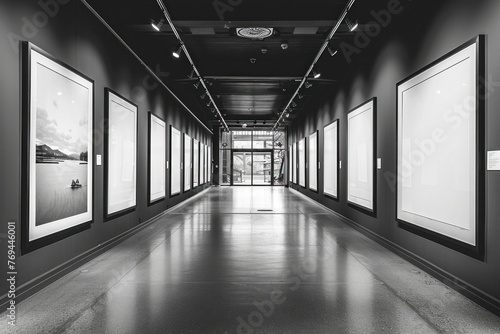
(55, 198)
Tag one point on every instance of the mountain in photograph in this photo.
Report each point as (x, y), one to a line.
(46, 153)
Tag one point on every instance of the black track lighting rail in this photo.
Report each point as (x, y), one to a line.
(318, 56)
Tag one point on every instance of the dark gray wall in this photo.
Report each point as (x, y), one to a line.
(77, 38)
(425, 31)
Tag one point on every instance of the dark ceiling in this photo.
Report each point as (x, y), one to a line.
(244, 92)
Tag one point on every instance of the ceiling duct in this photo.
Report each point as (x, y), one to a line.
(257, 33)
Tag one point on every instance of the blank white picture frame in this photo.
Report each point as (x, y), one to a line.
(294, 160)
(202, 163)
(331, 159)
(302, 162)
(175, 161)
(313, 161)
(157, 159)
(361, 155)
(196, 163)
(439, 119)
(205, 153)
(209, 163)
(121, 155)
(187, 163)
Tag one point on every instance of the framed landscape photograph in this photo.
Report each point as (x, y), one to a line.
(313, 161)
(120, 155)
(441, 150)
(187, 163)
(302, 162)
(175, 161)
(57, 166)
(331, 159)
(157, 159)
(361, 153)
(196, 163)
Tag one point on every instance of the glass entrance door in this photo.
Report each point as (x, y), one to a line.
(262, 168)
(242, 168)
(252, 168)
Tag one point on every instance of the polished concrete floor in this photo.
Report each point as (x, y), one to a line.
(223, 263)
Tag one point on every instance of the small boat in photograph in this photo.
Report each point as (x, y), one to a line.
(75, 184)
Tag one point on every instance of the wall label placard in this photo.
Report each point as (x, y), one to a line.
(493, 160)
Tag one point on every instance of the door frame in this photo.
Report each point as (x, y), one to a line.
(252, 151)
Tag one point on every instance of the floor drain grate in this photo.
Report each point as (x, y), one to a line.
(264, 210)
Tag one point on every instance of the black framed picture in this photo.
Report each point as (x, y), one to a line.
(157, 158)
(441, 150)
(120, 155)
(175, 161)
(196, 163)
(187, 162)
(302, 162)
(312, 161)
(57, 183)
(331, 159)
(361, 155)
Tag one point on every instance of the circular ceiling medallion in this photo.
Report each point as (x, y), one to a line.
(254, 32)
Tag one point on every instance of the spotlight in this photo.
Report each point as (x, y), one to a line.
(332, 51)
(177, 52)
(294, 104)
(157, 26)
(203, 95)
(244, 125)
(254, 122)
(196, 85)
(308, 85)
(316, 75)
(287, 115)
(264, 122)
(213, 110)
(300, 96)
(209, 103)
(191, 75)
(351, 25)
(237, 122)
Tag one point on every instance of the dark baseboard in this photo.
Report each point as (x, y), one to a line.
(484, 300)
(30, 288)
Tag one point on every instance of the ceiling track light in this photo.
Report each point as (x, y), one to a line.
(209, 103)
(316, 74)
(304, 82)
(177, 52)
(182, 48)
(332, 51)
(196, 85)
(352, 25)
(203, 95)
(300, 96)
(191, 75)
(294, 104)
(157, 25)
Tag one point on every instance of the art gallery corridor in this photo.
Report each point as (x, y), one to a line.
(249, 260)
